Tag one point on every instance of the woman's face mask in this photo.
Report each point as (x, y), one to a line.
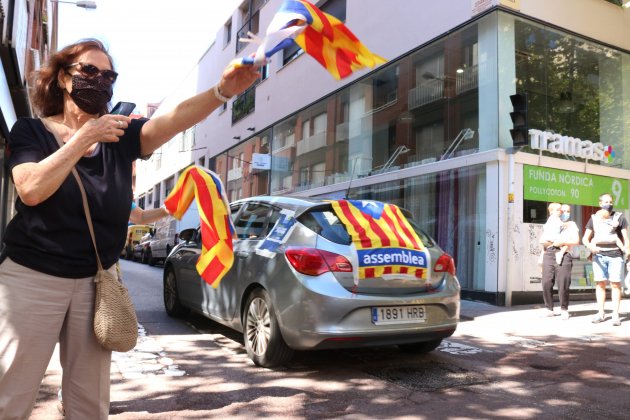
(607, 207)
(565, 217)
(91, 94)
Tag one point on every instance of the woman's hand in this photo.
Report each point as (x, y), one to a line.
(235, 79)
(107, 129)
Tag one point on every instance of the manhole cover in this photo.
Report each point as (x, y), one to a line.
(429, 377)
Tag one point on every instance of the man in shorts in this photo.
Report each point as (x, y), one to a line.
(605, 226)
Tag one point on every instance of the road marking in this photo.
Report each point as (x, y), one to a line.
(458, 348)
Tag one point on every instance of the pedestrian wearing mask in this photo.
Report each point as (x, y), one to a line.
(559, 236)
(605, 226)
(48, 262)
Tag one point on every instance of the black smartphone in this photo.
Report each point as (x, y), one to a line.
(123, 108)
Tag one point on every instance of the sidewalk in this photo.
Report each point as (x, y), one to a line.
(529, 320)
(471, 310)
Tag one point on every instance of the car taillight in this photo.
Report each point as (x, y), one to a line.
(445, 264)
(314, 262)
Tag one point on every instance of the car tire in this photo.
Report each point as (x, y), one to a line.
(150, 259)
(420, 348)
(261, 332)
(172, 304)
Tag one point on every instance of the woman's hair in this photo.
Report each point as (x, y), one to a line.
(46, 95)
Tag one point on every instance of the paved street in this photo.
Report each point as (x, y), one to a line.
(500, 364)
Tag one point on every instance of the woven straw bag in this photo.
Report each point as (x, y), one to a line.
(115, 320)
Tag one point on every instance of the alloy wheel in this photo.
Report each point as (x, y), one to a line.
(258, 326)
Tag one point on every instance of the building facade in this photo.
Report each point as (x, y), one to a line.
(430, 129)
(25, 31)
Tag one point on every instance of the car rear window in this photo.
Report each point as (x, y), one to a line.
(325, 222)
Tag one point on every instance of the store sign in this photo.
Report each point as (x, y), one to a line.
(546, 184)
(261, 161)
(569, 146)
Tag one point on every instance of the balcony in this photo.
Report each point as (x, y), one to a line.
(467, 80)
(354, 128)
(235, 173)
(280, 144)
(427, 92)
(312, 143)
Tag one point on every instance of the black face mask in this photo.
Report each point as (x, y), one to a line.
(91, 94)
(607, 207)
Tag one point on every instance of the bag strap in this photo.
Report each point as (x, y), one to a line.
(86, 208)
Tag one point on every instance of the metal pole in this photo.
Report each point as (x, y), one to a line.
(510, 232)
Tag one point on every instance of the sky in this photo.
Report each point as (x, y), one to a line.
(154, 43)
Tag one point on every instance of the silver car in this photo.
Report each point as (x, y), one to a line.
(292, 286)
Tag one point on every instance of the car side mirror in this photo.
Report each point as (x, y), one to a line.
(187, 235)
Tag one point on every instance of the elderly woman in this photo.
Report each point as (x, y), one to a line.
(48, 261)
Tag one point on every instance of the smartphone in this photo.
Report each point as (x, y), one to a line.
(123, 108)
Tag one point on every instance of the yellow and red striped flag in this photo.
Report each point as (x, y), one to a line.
(322, 36)
(385, 242)
(217, 255)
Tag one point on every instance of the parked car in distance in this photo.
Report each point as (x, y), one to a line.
(303, 295)
(134, 235)
(141, 251)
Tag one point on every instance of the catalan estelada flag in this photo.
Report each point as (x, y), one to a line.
(322, 36)
(385, 242)
(217, 255)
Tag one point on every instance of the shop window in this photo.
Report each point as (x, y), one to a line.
(573, 87)
(534, 211)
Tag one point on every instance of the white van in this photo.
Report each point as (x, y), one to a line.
(165, 234)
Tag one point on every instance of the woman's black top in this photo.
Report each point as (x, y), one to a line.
(53, 237)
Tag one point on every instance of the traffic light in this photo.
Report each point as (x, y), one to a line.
(519, 133)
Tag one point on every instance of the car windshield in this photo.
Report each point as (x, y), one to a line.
(324, 222)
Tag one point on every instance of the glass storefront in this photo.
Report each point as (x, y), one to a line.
(578, 91)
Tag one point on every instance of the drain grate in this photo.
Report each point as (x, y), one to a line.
(428, 377)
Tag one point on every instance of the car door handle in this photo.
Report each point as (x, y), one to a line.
(242, 254)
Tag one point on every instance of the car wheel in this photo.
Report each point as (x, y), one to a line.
(422, 347)
(261, 332)
(150, 259)
(172, 304)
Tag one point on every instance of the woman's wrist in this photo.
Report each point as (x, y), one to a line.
(220, 94)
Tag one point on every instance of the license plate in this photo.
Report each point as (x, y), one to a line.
(398, 314)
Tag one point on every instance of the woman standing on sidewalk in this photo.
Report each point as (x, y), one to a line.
(48, 262)
(606, 226)
(559, 236)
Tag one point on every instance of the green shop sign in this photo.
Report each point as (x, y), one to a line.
(545, 184)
